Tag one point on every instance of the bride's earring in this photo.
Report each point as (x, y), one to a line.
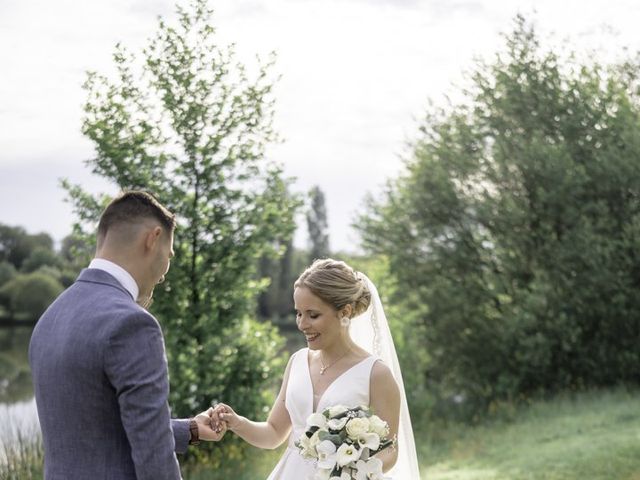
(345, 321)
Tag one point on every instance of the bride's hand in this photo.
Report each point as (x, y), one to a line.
(208, 429)
(226, 414)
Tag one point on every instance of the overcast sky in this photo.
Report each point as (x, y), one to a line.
(356, 76)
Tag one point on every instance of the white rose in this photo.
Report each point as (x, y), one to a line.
(378, 426)
(337, 423)
(357, 427)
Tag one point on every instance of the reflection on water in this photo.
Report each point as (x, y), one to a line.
(17, 405)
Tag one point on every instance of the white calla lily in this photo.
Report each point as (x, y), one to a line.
(326, 454)
(369, 440)
(369, 470)
(347, 454)
(317, 420)
(337, 410)
(337, 423)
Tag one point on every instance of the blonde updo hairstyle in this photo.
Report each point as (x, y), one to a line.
(337, 284)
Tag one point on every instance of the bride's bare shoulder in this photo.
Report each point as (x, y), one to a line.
(381, 375)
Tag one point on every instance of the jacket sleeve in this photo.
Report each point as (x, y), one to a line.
(136, 365)
(181, 434)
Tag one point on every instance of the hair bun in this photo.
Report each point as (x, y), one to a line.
(363, 297)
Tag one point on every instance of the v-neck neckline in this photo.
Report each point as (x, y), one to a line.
(314, 410)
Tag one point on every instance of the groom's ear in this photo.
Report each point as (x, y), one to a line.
(152, 237)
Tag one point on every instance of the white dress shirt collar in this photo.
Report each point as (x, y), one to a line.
(120, 274)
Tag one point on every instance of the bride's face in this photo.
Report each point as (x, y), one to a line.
(316, 319)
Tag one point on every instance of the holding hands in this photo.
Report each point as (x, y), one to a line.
(213, 423)
(224, 416)
(210, 428)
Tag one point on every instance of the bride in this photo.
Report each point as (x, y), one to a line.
(350, 360)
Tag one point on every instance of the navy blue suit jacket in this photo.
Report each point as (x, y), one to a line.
(101, 384)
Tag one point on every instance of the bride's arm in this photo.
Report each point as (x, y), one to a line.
(269, 434)
(385, 403)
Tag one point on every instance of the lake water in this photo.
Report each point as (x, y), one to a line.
(18, 415)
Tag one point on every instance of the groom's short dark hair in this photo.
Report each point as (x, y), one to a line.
(132, 206)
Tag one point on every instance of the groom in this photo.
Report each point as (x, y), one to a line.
(98, 361)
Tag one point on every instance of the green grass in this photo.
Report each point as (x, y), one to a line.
(257, 466)
(584, 436)
(22, 459)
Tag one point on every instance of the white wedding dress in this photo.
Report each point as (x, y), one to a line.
(350, 389)
(371, 332)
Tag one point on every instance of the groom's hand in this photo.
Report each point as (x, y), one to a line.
(228, 417)
(208, 428)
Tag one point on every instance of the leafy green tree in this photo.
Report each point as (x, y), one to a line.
(273, 300)
(7, 272)
(40, 257)
(16, 244)
(191, 125)
(517, 226)
(29, 295)
(318, 225)
(75, 250)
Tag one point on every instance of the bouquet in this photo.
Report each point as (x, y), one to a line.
(343, 441)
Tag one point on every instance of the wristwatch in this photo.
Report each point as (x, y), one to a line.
(193, 430)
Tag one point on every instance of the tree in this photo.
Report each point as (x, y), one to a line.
(74, 250)
(517, 226)
(317, 225)
(29, 295)
(276, 301)
(40, 257)
(191, 125)
(16, 244)
(7, 272)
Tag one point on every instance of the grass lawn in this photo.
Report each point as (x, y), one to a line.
(588, 436)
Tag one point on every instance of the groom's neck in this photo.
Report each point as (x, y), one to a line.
(124, 260)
